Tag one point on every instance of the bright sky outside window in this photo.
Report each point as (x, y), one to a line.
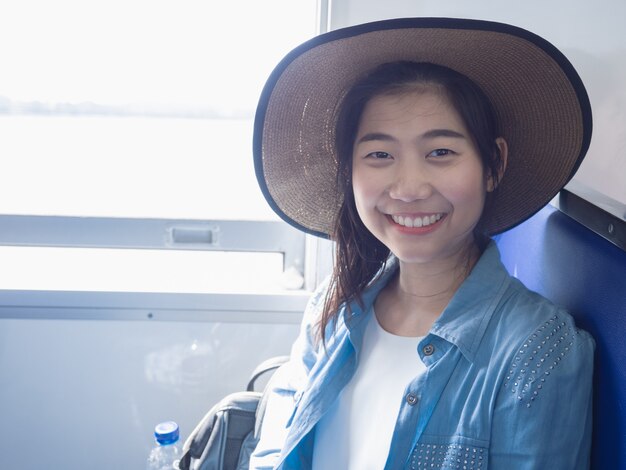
(137, 108)
(80, 269)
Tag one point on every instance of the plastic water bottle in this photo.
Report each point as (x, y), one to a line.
(166, 452)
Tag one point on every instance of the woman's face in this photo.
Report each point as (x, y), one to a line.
(418, 180)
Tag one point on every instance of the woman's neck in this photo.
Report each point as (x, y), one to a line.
(415, 298)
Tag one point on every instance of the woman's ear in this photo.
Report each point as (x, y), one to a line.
(503, 149)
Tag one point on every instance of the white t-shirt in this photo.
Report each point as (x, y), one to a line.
(356, 432)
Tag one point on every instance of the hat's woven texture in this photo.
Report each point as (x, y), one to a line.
(541, 106)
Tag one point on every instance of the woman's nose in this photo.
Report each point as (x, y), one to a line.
(410, 184)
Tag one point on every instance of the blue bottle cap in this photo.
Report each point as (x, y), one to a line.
(166, 433)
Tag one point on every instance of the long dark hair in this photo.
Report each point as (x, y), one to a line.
(359, 255)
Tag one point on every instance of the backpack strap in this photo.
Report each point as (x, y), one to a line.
(265, 366)
(260, 410)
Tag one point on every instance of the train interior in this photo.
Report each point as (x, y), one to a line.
(143, 275)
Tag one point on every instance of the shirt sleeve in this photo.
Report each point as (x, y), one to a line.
(288, 382)
(542, 415)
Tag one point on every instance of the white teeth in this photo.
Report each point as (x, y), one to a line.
(416, 222)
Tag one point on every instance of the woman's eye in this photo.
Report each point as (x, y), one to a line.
(440, 153)
(379, 155)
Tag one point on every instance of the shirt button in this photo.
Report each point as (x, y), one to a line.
(411, 399)
(428, 350)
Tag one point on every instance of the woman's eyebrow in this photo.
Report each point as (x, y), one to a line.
(372, 136)
(431, 134)
(434, 133)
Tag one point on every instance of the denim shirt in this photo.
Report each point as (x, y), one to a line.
(508, 383)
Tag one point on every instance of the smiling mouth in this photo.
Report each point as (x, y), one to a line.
(411, 222)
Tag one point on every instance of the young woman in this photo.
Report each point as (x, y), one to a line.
(410, 142)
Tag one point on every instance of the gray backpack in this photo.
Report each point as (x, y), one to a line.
(225, 438)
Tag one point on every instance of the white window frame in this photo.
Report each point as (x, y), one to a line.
(310, 256)
(161, 234)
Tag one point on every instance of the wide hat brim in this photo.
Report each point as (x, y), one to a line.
(541, 105)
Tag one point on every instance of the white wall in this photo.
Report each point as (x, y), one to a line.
(590, 33)
(86, 394)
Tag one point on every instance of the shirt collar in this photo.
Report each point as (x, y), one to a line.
(355, 315)
(464, 321)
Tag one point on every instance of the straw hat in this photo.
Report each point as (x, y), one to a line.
(540, 102)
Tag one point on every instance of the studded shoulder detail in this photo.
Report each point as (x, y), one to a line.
(448, 457)
(538, 358)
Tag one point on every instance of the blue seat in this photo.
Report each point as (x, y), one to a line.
(574, 267)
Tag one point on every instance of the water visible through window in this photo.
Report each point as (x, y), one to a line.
(137, 108)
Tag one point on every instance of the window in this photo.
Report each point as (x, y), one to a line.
(126, 142)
